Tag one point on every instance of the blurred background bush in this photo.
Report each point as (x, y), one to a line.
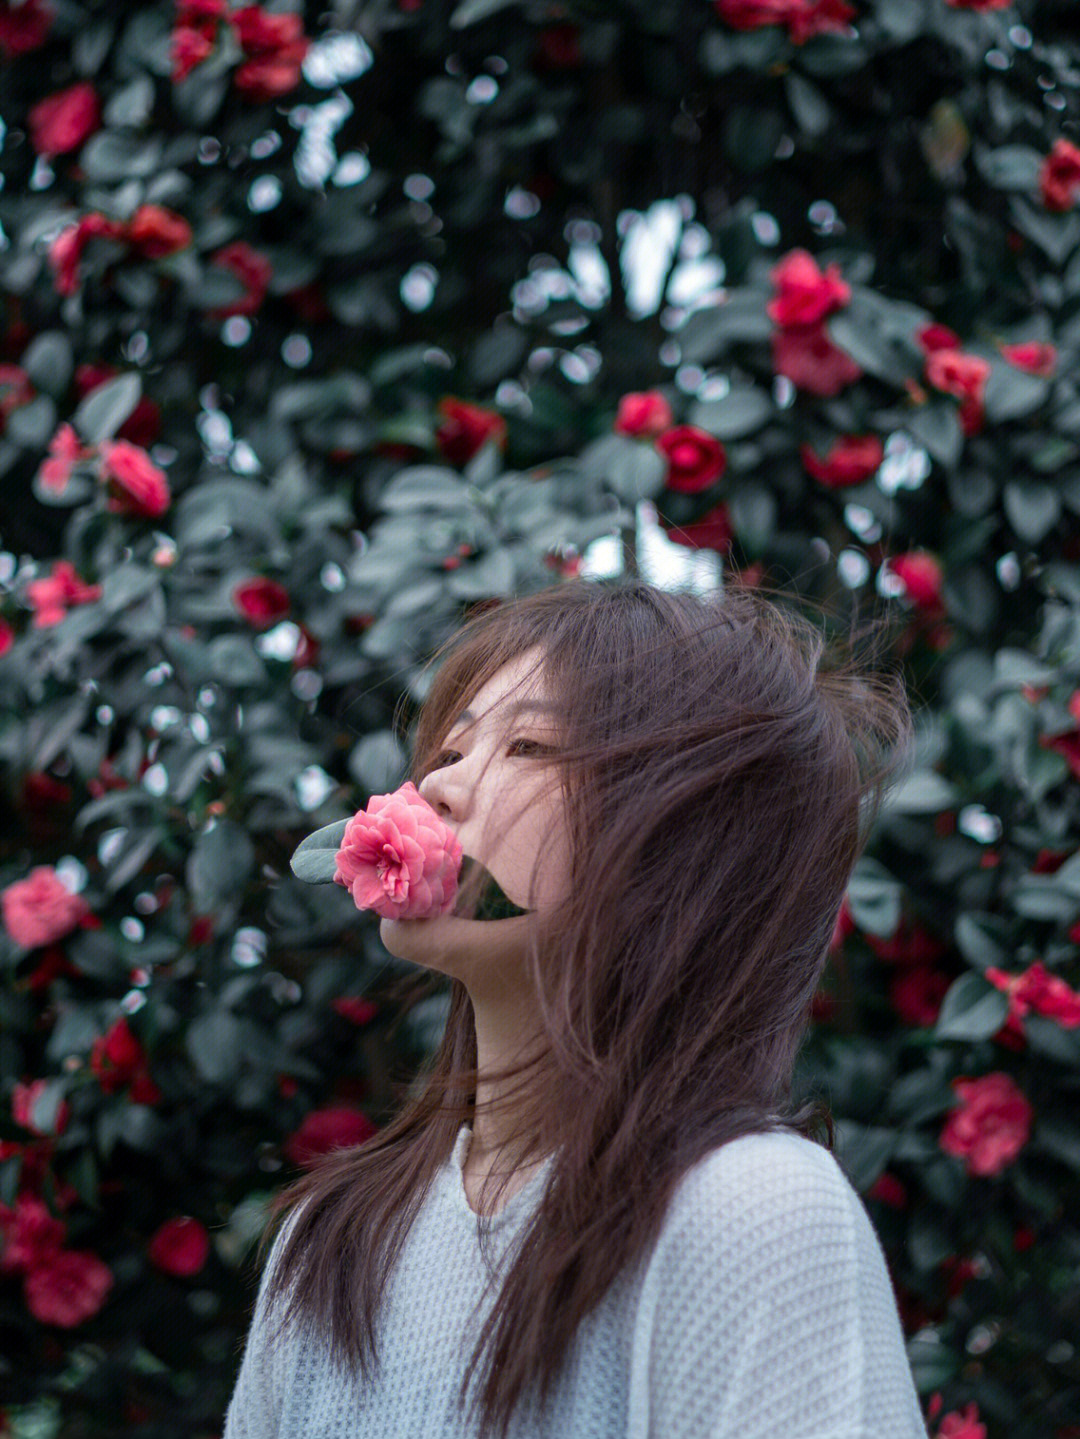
(322, 325)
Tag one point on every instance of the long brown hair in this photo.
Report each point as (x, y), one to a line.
(722, 764)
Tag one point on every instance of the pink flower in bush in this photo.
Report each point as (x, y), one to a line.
(157, 232)
(40, 909)
(937, 337)
(23, 1100)
(1059, 176)
(135, 484)
(963, 376)
(992, 1124)
(398, 858)
(65, 252)
(28, 1234)
(54, 596)
(818, 17)
(324, 1130)
(7, 637)
(465, 428)
(852, 459)
(262, 601)
(805, 292)
(68, 1287)
(1038, 991)
(980, 4)
(66, 450)
(180, 1246)
(645, 414)
(275, 46)
(695, 459)
(355, 1010)
(922, 576)
(808, 357)
(249, 266)
(118, 1060)
(1032, 357)
(61, 122)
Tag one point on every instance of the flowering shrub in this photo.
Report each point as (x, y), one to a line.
(313, 338)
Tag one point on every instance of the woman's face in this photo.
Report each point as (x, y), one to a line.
(505, 807)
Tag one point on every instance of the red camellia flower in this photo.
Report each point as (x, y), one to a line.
(852, 459)
(252, 268)
(963, 376)
(643, 416)
(118, 1060)
(66, 450)
(324, 1130)
(15, 390)
(1059, 176)
(180, 1246)
(819, 17)
(189, 49)
(68, 1287)
(41, 908)
(1034, 357)
(61, 122)
(23, 27)
(992, 1124)
(938, 337)
(695, 459)
(157, 232)
(980, 4)
(558, 47)
(7, 637)
(810, 360)
(23, 1100)
(805, 293)
(1038, 991)
(275, 46)
(135, 484)
(922, 575)
(262, 601)
(711, 532)
(917, 994)
(466, 428)
(355, 1010)
(754, 14)
(54, 596)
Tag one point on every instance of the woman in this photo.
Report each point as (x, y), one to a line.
(598, 1213)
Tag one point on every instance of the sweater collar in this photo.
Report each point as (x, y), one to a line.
(516, 1207)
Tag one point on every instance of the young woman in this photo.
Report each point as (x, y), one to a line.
(598, 1213)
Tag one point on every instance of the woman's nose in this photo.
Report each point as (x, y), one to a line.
(442, 793)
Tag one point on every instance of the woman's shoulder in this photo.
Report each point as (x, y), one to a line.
(758, 1188)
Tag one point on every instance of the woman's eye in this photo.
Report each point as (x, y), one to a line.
(531, 745)
(446, 757)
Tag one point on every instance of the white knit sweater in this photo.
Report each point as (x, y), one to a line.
(764, 1309)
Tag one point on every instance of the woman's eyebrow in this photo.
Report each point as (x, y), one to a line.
(544, 706)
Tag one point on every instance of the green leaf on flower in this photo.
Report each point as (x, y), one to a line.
(313, 858)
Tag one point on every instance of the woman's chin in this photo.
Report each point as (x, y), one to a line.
(443, 940)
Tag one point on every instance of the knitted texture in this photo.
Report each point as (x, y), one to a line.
(764, 1308)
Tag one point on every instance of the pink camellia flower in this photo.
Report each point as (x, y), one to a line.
(23, 1099)
(695, 458)
(963, 376)
(7, 637)
(398, 858)
(852, 459)
(645, 414)
(1033, 357)
(324, 1130)
(67, 1288)
(40, 908)
(807, 356)
(136, 485)
(28, 1234)
(275, 46)
(805, 292)
(61, 122)
(53, 596)
(65, 252)
(992, 1124)
(179, 1246)
(261, 601)
(937, 337)
(65, 452)
(1059, 176)
(922, 575)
